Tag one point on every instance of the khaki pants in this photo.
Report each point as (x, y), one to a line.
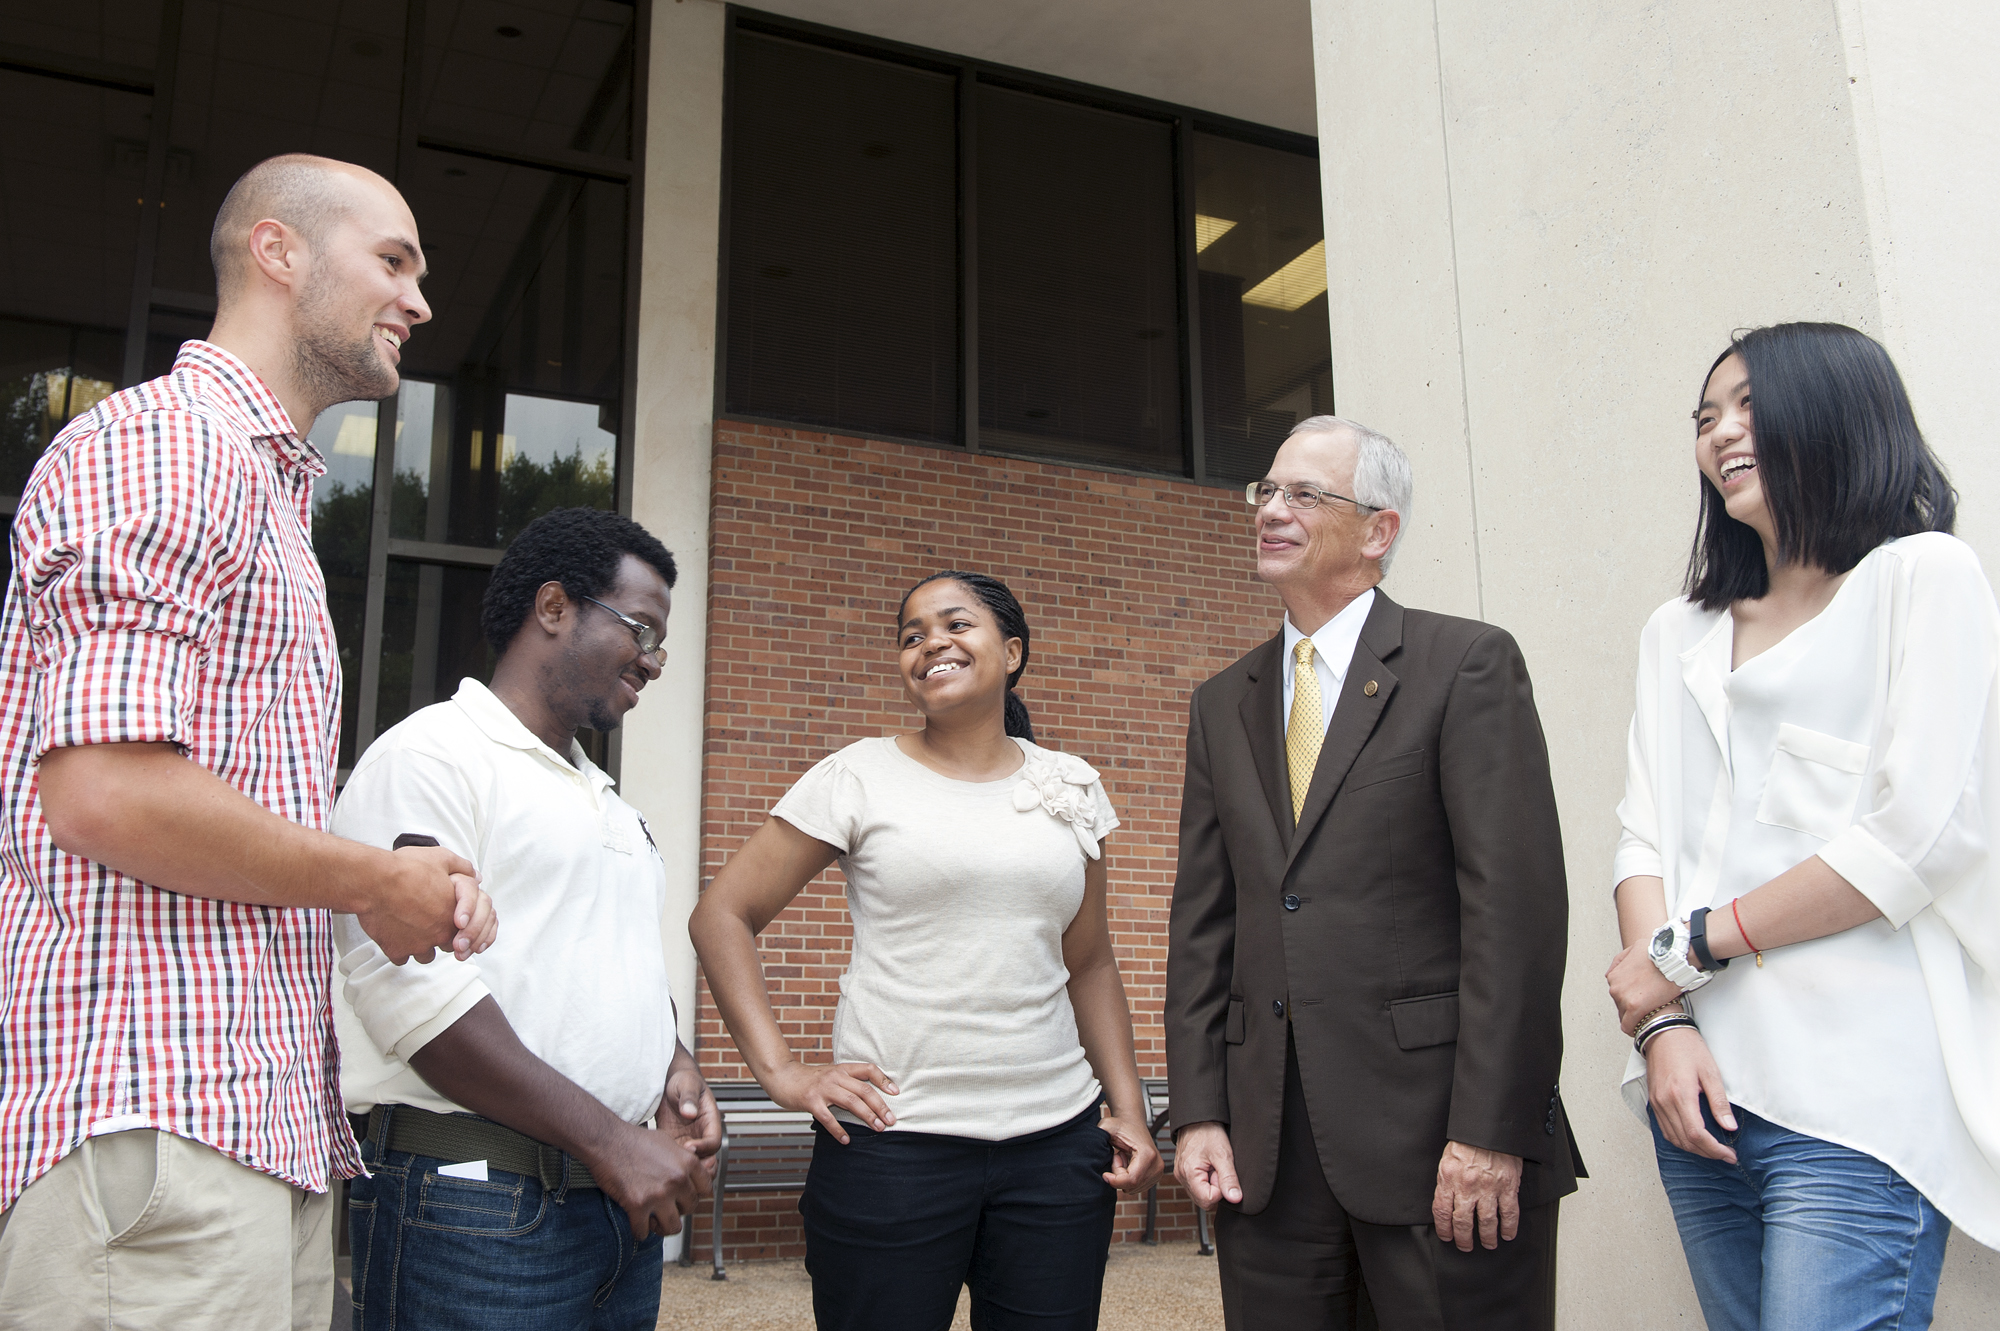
(142, 1230)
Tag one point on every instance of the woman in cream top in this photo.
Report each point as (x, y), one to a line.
(1811, 761)
(981, 1020)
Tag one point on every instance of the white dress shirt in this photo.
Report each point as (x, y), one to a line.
(577, 882)
(1866, 737)
(1333, 652)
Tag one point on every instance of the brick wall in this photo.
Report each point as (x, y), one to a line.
(1136, 590)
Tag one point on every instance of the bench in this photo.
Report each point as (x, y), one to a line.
(1156, 1094)
(764, 1149)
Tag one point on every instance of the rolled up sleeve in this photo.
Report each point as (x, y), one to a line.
(125, 593)
(1923, 829)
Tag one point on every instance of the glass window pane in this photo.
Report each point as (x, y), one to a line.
(1266, 350)
(843, 241)
(552, 76)
(1078, 296)
(528, 288)
(72, 164)
(122, 32)
(332, 86)
(342, 500)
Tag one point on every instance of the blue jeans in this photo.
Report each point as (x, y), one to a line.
(440, 1254)
(896, 1222)
(1800, 1234)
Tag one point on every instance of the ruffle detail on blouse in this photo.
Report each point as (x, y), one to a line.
(1060, 783)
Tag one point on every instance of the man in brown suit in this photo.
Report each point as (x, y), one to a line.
(1369, 927)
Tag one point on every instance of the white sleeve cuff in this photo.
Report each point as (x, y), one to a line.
(422, 1034)
(1877, 874)
(1636, 861)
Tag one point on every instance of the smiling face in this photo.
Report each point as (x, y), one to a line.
(1725, 445)
(1326, 554)
(596, 676)
(952, 653)
(360, 300)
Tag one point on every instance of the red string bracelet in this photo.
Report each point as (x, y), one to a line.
(1737, 915)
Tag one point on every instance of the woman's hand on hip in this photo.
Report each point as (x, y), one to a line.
(855, 1087)
(1680, 1070)
(1637, 986)
(1135, 1160)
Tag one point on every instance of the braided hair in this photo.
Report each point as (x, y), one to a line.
(993, 594)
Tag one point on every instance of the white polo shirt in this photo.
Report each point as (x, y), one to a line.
(578, 885)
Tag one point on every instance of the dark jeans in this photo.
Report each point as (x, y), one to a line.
(440, 1254)
(897, 1221)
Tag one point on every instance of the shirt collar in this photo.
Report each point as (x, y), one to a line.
(243, 395)
(1334, 642)
(500, 725)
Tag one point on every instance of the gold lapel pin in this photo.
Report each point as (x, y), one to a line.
(1368, 689)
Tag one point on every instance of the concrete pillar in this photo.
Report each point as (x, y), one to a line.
(680, 242)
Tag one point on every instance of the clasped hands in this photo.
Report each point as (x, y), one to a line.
(1478, 1191)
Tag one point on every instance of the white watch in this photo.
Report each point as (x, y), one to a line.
(1668, 949)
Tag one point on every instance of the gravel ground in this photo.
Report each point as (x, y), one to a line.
(1168, 1288)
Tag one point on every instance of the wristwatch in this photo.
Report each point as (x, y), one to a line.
(1668, 949)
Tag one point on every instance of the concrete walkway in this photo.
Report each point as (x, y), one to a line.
(1168, 1288)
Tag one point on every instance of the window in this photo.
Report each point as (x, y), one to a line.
(510, 132)
(925, 248)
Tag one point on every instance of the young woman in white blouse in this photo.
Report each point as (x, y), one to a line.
(981, 1019)
(1805, 890)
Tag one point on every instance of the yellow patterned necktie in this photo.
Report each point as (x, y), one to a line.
(1303, 733)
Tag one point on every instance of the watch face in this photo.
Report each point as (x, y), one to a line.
(1663, 939)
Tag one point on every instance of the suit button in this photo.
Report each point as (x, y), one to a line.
(1277, 1007)
(1291, 901)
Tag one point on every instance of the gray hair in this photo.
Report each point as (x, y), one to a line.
(1382, 475)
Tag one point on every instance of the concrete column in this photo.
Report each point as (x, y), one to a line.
(676, 432)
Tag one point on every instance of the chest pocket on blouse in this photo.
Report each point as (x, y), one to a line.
(1813, 783)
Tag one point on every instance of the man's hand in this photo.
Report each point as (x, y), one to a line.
(688, 1112)
(1637, 986)
(1205, 1164)
(432, 901)
(655, 1178)
(1477, 1189)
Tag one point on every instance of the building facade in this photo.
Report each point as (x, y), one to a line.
(835, 293)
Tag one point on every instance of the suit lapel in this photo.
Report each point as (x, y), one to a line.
(1354, 716)
(1263, 713)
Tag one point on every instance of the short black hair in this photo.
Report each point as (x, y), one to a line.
(579, 547)
(1840, 459)
(1013, 623)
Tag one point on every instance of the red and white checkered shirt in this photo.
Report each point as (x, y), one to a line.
(164, 589)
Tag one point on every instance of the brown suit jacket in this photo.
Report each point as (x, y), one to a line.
(1412, 929)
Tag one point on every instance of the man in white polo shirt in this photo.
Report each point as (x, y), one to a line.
(512, 1180)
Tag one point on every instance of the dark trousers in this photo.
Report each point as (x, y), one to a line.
(1304, 1264)
(897, 1221)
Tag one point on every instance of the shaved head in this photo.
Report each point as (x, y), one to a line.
(308, 194)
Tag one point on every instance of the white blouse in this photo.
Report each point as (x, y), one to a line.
(1870, 736)
(960, 892)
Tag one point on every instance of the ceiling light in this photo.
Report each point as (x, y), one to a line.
(1293, 285)
(1208, 230)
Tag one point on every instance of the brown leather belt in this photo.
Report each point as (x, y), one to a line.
(461, 1137)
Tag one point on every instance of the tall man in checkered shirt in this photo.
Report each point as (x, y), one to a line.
(170, 1113)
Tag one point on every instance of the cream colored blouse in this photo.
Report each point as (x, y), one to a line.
(1869, 737)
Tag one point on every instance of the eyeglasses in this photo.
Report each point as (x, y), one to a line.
(648, 636)
(1260, 493)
